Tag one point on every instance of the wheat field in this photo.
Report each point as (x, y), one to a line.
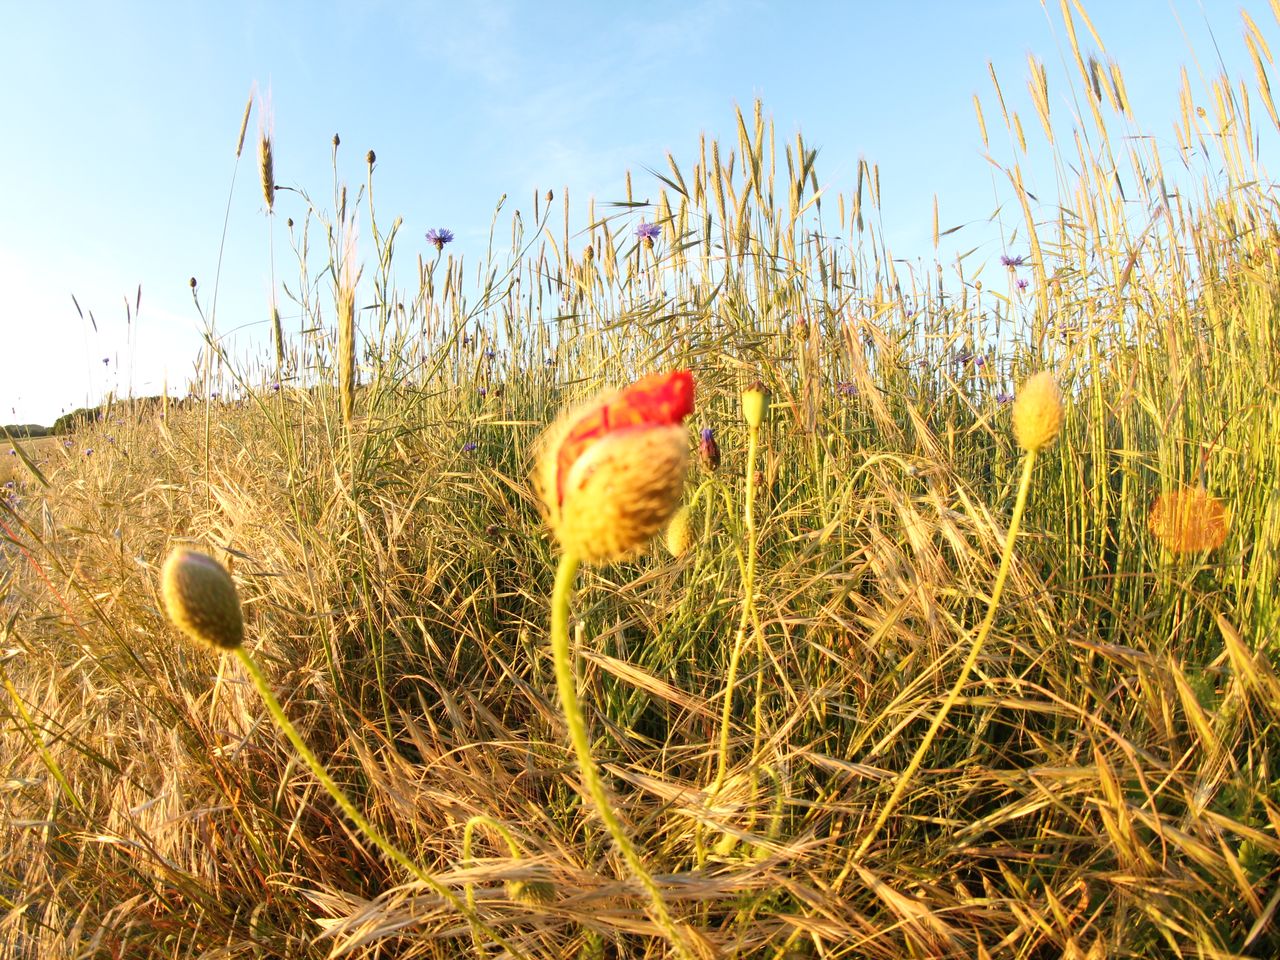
(963, 722)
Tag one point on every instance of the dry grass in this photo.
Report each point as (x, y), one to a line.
(41, 450)
(1102, 786)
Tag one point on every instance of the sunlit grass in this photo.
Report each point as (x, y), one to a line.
(1100, 781)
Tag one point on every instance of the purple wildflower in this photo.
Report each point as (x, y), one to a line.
(646, 233)
(106, 361)
(847, 388)
(709, 449)
(490, 354)
(88, 451)
(439, 236)
(275, 388)
(481, 391)
(1023, 284)
(979, 361)
(470, 446)
(65, 443)
(1008, 261)
(549, 362)
(1003, 397)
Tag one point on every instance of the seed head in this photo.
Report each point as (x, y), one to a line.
(266, 164)
(201, 599)
(610, 473)
(1037, 412)
(1189, 520)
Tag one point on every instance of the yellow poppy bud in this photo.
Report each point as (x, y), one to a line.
(531, 892)
(679, 533)
(201, 599)
(1037, 412)
(755, 401)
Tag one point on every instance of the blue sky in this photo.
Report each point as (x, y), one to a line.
(120, 124)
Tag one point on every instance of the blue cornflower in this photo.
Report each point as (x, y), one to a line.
(1008, 261)
(439, 236)
(1003, 397)
(847, 388)
(648, 232)
(88, 452)
(979, 361)
(275, 388)
(106, 361)
(1023, 284)
(490, 354)
(481, 391)
(470, 446)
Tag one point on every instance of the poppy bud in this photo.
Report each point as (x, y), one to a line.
(1037, 412)
(610, 473)
(201, 599)
(755, 401)
(679, 533)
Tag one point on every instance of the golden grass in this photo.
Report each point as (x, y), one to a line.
(1092, 756)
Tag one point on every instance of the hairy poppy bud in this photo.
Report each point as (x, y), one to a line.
(1037, 412)
(610, 473)
(680, 533)
(201, 599)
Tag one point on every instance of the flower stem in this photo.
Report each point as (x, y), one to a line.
(366, 828)
(567, 687)
(904, 780)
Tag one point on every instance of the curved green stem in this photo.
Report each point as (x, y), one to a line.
(562, 657)
(366, 828)
(467, 832)
(971, 660)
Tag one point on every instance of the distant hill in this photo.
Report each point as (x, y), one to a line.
(27, 430)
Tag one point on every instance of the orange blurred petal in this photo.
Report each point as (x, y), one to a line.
(658, 400)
